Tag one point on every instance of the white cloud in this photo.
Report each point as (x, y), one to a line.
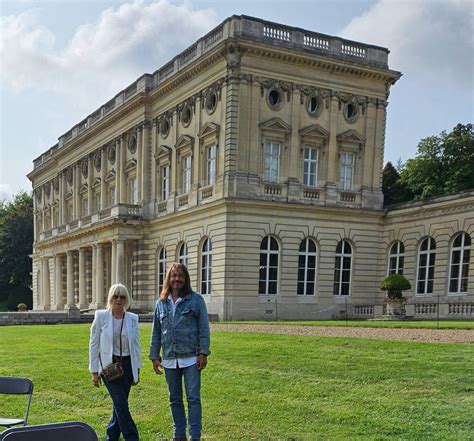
(432, 38)
(101, 57)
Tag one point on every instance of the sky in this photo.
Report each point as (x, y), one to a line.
(62, 59)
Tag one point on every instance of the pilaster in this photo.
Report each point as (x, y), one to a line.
(70, 280)
(82, 279)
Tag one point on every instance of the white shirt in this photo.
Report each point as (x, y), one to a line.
(125, 349)
(174, 363)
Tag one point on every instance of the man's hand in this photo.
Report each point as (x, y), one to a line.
(96, 379)
(201, 361)
(138, 380)
(157, 366)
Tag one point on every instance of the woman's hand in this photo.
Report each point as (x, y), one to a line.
(138, 379)
(96, 379)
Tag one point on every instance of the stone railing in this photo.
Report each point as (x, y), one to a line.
(245, 28)
(310, 193)
(206, 192)
(348, 197)
(364, 310)
(272, 189)
(183, 200)
(426, 308)
(461, 309)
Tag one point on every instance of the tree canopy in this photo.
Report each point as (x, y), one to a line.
(443, 164)
(16, 240)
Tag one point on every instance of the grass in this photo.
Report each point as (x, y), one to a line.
(264, 386)
(431, 324)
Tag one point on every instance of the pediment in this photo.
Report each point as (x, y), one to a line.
(209, 129)
(315, 131)
(162, 150)
(96, 183)
(131, 165)
(276, 124)
(110, 176)
(351, 136)
(183, 141)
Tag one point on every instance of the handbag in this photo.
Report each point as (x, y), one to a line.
(114, 371)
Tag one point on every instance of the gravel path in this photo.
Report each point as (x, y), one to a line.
(405, 334)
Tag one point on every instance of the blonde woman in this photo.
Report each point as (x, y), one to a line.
(115, 335)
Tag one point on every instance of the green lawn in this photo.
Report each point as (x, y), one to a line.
(265, 387)
(429, 324)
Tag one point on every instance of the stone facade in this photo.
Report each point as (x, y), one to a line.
(255, 156)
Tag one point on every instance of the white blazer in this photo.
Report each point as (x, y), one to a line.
(101, 341)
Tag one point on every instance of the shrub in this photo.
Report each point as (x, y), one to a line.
(394, 285)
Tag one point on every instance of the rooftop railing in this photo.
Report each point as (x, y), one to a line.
(243, 27)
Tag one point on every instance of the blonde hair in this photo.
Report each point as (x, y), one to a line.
(118, 290)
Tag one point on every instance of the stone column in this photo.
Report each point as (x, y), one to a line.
(139, 164)
(61, 198)
(113, 263)
(120, 265)
(153, 171)
(103, 190)
(123, 162)
(70, 281)
(93, 303)
(77, 191)
(118, 171)
(89, 185)
(99, 276)
(45, 284)
(58, 283)
(82, 279)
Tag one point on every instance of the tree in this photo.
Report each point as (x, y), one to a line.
(444, 164)
(394, 190)
(16, 242)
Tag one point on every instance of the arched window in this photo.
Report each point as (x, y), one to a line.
(426, 265)
(268, 279)
(342, 272)
(183, 254)
(306, 267)
(161, 268)
(396, 258)
(206, 267)
(459, 266)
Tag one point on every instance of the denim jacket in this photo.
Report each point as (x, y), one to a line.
(184, 335)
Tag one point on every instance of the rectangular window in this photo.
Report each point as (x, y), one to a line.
(186, 174)
(133, 190)
(310, 164)
(97, 202)
(84, 207)
(211, 165)
(272, 161)
(347, 171)
(112, 196)
(165, 182)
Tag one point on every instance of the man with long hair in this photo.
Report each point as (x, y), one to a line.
(181, 333)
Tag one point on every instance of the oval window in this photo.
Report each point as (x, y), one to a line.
(274, 98)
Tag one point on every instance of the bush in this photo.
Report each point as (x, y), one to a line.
(19, 294)
(22, 307)
(394, 285)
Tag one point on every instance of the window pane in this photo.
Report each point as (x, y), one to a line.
(466, 256)
(273, 274)
(310, 274)
(263, 274)
(421, 287)
(273, 259)
(261, 288)
(311, 246)
(273, 244)
(430, 287)
(301, 261)
(303, 245)
(346, 276)
(301, 274)
(264, 243)
(272, 288)
(300, 288)
(263, 259)
(453, 285)
(311, 261)
(310, 288)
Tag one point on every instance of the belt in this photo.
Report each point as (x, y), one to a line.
(116, 358)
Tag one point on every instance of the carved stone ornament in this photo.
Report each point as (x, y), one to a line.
(276, 84)
(85, 168)
(69, 175)
(97, 161)
(132, 144)
(111, 154)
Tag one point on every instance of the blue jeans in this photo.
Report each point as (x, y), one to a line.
(192, 384)
(121, 420)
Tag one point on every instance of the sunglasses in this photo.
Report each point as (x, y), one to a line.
(115, 296)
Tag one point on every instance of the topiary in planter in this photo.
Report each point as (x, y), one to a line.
(394, 285)
(22, 307)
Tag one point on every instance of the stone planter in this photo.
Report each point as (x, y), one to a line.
(395, 307)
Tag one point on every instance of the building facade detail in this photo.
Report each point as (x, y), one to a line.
(255, 156)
